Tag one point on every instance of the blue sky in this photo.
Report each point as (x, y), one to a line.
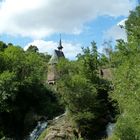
(39, 22)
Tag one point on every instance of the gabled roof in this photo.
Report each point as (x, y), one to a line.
(59, 53)
(56, 55)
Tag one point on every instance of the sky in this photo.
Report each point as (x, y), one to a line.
(40, 23)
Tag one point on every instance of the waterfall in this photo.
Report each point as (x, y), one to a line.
(41, 125)
(110, 128)
(37, 131)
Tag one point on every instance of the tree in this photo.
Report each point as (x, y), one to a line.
(127, 80)
(2, 46)
(32, 48)
(89, 62)
(23, 93)
(132, 26)
(106, 57)
(83, 92)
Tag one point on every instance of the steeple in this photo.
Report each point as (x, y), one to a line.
(60, 47)
(53, 74)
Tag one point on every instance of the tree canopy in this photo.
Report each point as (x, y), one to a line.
(127, 80)
(23, 92)
(84, 92)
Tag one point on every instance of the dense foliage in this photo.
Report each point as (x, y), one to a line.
(84, 92)
(126, 81)
(24, 98)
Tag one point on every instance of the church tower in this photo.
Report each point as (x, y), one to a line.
(54, 60)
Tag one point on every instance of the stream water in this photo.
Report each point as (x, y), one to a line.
(40, 128)
(42, 125)
(37, 130)
(110, 128)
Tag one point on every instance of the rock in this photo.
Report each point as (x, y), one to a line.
(60, 129)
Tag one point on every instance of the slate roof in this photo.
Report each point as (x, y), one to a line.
(56, 55)
(59, 53)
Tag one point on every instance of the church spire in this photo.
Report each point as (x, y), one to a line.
(60, 47)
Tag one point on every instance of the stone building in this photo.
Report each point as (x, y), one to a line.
(52, 72)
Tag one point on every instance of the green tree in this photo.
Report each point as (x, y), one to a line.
(89, 62)
(23, 93)
(2, 46)
(84, 92)
(127, 80)
(132, 26)
(32, 48)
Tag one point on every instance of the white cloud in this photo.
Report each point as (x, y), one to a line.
(116, 32)
(122, 22)
(39, 18)
(70, 49)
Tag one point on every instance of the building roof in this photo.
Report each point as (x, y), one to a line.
(56, 55)
(59, 53)
(54, 58)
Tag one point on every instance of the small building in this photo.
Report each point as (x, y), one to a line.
(52, 72)
(106, 73)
